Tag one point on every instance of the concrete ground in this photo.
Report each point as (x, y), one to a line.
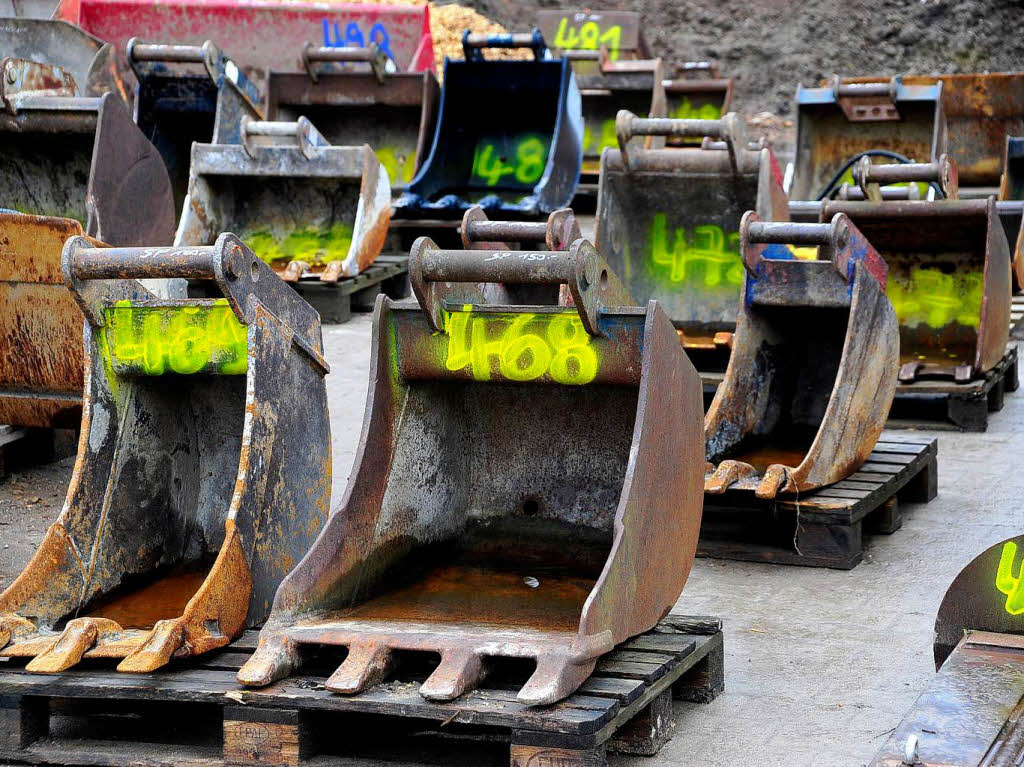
(820, 664)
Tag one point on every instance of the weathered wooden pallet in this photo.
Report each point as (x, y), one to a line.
(196, 713)
(824, 528)
(388, 274)
(935, 404)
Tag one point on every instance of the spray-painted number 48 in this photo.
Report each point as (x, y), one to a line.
(528, 158)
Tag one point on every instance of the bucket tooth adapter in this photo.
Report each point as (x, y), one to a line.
(457, 535)
(838, 124)
(509, 135)
(198, 482)
(186, 94)
(394, 112)
(949, 271)
(305, 207)
(668, 221)
(813, 366)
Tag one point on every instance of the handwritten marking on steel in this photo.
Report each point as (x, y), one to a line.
(589, 37)
(710, 255)
(1007, 582)
(529, 154)
(153, 340)
(525, 347)
(353, 36)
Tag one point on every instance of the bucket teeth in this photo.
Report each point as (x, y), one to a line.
(294, 271)
(332, 272)
(908, 371)
(774, 481)
(67, 650)
(727, 472)
(14, 627)
(165, 638)
(459, 672)
(365, 666)
(270, 662)
(553, 679)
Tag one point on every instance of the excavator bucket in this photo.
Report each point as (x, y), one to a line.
(509, 135)
(668, 221)
(307, 208)
(634, 85)
(813, 366)
(698, 92)
(473, 525)
(199, 482)
(949, 273)
(90, 62)
(186, 94)
(884, 119)
(981, 109)
(79, 157)
(1011, 187)
(394, 112)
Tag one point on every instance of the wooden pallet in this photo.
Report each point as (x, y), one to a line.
(824, 528)
(944, 404)
(935, 404)
(388, 274)
(197, 714)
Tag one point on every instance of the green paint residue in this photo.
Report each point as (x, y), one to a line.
(517, 160)
(707, 257)
(936, 299)
(606, 131)
(153, 340)
(314, 246)
(400, 164)
(685, 110)
(922, 186)
(521, 347)
(1007, 582)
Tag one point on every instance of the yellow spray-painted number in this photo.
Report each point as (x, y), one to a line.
(400, 164)
(709, 257)
(1007, 582)
(936, 299)
(685, 110)
(522, 157)
(608, 138)
(589, 37)
(314, 246)
(521, 347)
(153, 340)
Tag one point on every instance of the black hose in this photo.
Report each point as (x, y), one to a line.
(830, 186)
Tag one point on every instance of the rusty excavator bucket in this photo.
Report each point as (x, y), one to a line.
(813, 366)
(199, 482)
(509, 135)
(668, 221)
(91, 62)
(79, 157)
(186, 94)
(885, 119)
(394, 112)
(697, 92)
(473, 525)
(949, 272)
(305, 207)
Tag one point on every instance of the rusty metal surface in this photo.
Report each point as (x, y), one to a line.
(949, 281)
(91, 62)
(40, 325)
(192, 495)
(304, 206)
(970, 715)
(84, 159)
(509, 137)
(23, 78)
(981, 110)
(669, 225)
(813, 366)
(827, 137)
(459, 536)
(396, 116)
(183, 92)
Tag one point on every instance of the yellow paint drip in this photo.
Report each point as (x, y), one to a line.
(154, 340)
(1007, 582)
(521, 347)
(400, 164)
(314, 246)
(936, 299)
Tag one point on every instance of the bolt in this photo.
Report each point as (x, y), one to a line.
(12, 76)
